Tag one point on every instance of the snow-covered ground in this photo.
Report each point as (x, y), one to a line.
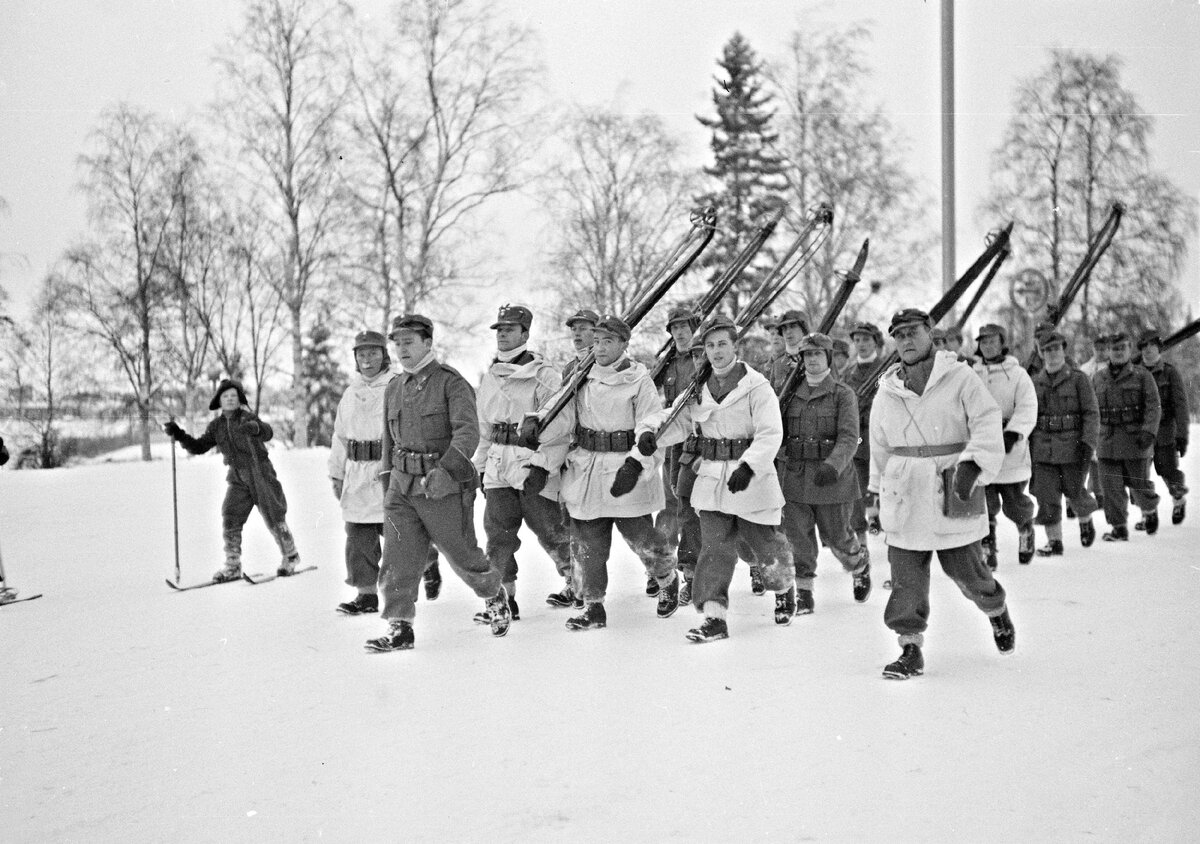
(250, 713)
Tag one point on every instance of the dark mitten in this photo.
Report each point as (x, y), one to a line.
(1010, 439)
(3, 452)
(1086, 453)
(739, 479)
(172, 430)
(647, 444)
(825, 475)
(965, 476)
(535, 481)
(1181, 447)
(1144, 439)
(627, 478)
(251, 428)
(528, 435)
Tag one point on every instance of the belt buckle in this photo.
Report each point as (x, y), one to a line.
(923, 451)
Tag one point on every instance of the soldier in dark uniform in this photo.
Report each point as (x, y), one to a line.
(678, 522)
(1172, 440)
(1129, 417)
(817, 473)
(793, 325)
(841, 355)
(1062, 444)
(868, 343)
(431, 431)
(583, 334)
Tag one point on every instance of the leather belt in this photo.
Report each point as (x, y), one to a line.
(928, 450)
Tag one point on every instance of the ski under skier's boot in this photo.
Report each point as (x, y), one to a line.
(862, 583)
(1178, 510)
(433, 581)
(499, 612)
(484, 616)
(668, 598)
(1003, 632)
(593, 618)
(1053, 548)
(232, 570)
(710, 631)
(804, 601)
(785, 606)
(756, 582)
(685, 591)
(364, 603)
(1118, 533)
(1087, 533)
(287, 566)
(398, 638)
(563, 598)
(1150, 522)
(651, 587)
(910, 664)
(1025, 544)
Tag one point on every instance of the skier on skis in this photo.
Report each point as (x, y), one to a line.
(240, 436)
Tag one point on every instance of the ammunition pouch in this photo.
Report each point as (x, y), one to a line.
(604, 441)
(415, 462)
(808, 448)
(1052, 423)
(721, 449)
(366, 451)
(506, 433)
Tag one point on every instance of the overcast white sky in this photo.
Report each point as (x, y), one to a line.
(62, 61)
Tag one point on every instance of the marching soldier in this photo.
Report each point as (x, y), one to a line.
(818, 477)
(841, 354)
(793, 325)
(1099, 359)
(935, 438)
(1171, 442)
(736, 490)
(1012, 388)
(606, 483)
(868, 343)
(582, 324)
(1129, 415)
(678, 522)
(516, 383)
(431, 431)
(1062, 444)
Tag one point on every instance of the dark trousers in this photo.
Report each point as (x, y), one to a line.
(503, 513)
(907, 610)
(1166, 465)
(1012, 501)
(1118, 475)
(411, 524)
(1051, 482)
(363, 553)
(858, 510)
(678, 522)
(250, 487)
(593, 542)
(801, 523)
(722, 535)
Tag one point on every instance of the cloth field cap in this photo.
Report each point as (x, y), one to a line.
(682, 313)
(793, 317)
(1051, 338)
(937, 333)
(583, 315)
(954, 333)
(615, 326)
(719, 321)
(369, 339)
(908, 316)
(411, 322)
(513, 315)
(1148, 338)
(869, 329)
(1101, 339)
(1119, 336)
(991, 330)
(840, 346)
(228, 384)
(816, 342)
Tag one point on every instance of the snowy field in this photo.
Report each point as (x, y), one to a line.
(251, 713)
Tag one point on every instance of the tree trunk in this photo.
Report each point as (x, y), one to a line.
(299, 393)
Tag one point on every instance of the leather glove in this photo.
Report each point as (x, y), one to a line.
(337, 487)
(825, 475)
(965, 476)
(627, 478)
(1144, 439)
(385, 479)
(172, 430)
(1181, 447)
(739, 479)
(439, 484)
(1086, 453)
(535, 481)
(1010, 439)
(647, 444)
(528, 435)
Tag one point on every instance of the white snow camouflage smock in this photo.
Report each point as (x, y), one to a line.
(507, 393)
(612, 398)
(955, 407)
(359, 417)
(1012, 388)
(750, 411)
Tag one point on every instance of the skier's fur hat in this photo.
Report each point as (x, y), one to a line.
(228, 384)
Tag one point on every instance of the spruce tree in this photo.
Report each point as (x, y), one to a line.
(325, 382)
(746, 166)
